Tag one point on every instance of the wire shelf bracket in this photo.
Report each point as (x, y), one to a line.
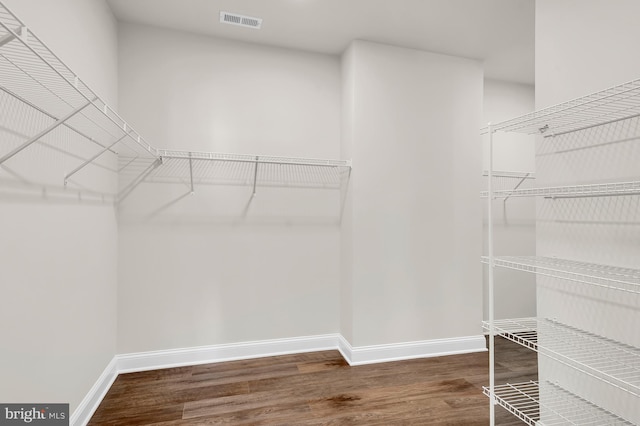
(255, 177)
(138, 180)
(37, 70)
(521, 176)
(53, 117)
(44, 132)
(92, 159)
(6, 38)
(191, 175)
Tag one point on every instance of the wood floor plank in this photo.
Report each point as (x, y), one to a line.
(317, 389)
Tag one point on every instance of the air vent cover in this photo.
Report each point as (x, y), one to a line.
(240, 20)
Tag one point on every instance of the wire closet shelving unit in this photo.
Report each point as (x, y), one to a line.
(44, 103)
(613, 363)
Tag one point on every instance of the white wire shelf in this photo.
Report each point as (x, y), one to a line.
(194, 169)
(612, 362)
(43, 102)
(548, 404)
(571, 191)
(610, 277)
(33, 75)
(614, 104)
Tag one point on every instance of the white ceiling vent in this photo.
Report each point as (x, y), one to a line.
(241, 20)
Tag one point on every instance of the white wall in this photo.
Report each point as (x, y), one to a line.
(574, 59)
(514, 220)
(205, 94)
(58, 259)
(81, 33)
(583, 60)
(414, 225)
(200, 271)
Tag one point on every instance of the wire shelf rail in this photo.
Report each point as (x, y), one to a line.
(606, 106)
(207, 168)
(612, 362)
(610, 277)
(571, 191)
(548, 404)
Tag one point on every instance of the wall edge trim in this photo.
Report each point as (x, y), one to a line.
(89, 404)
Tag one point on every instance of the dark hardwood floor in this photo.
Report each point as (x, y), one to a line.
(318, 389)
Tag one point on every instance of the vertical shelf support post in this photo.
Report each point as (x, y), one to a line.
(492, 398)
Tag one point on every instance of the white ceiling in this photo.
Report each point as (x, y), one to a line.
(499, 32)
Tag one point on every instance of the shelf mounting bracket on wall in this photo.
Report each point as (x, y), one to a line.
(6, 39)
(525, 177)
(42, 111)
(45, 131)
(191, 172)
(255, 176)
(137, 181)
(92, 159)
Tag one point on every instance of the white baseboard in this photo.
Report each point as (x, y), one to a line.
(361, 355)
(218, 353)
(143, 361)
(82, 414)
